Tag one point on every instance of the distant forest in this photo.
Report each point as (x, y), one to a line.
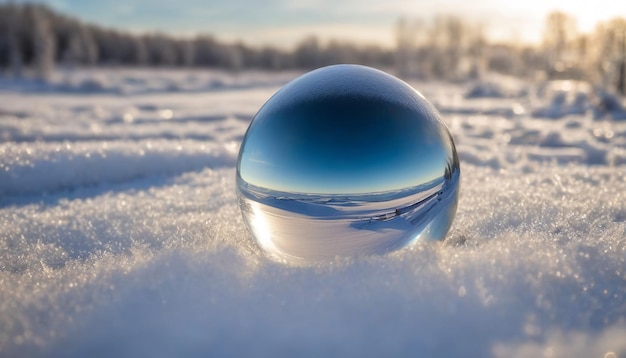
(36, 38)
(34, 35)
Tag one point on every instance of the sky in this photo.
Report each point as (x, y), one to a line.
(283, 23)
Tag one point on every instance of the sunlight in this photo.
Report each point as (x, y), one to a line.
(261, 228)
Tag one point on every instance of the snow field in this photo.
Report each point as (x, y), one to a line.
(126, 240)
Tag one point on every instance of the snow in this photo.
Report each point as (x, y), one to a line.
(120, 233)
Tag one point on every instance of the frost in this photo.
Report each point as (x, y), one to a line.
(123, 237)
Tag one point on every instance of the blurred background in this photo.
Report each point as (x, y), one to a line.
(446, 39)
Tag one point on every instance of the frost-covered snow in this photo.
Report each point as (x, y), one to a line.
(120, 234)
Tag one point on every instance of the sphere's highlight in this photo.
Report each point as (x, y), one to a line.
(346, 160)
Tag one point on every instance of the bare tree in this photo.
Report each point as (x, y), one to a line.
(618, 28)
(405, 47)
(476, 51)
(307, 53)
(161, 50)
(82, 47)
(11, 19)
(446, 47)
(185, 52)
(559, 33)
(607, 54)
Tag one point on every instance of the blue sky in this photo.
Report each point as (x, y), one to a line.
(283, 23)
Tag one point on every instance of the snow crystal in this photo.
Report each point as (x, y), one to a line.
(122, 237)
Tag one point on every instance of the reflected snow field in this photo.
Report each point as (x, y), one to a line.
(326, 226)
(121, 233)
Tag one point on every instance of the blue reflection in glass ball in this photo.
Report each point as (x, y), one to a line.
(346, 160)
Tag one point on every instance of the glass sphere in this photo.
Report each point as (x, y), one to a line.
(346, 160)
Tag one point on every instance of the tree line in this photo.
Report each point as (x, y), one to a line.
(35, 37)
(449, 47)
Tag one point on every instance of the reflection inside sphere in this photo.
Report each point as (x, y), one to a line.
(346, 160)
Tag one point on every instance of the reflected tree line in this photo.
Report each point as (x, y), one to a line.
(35, 39)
